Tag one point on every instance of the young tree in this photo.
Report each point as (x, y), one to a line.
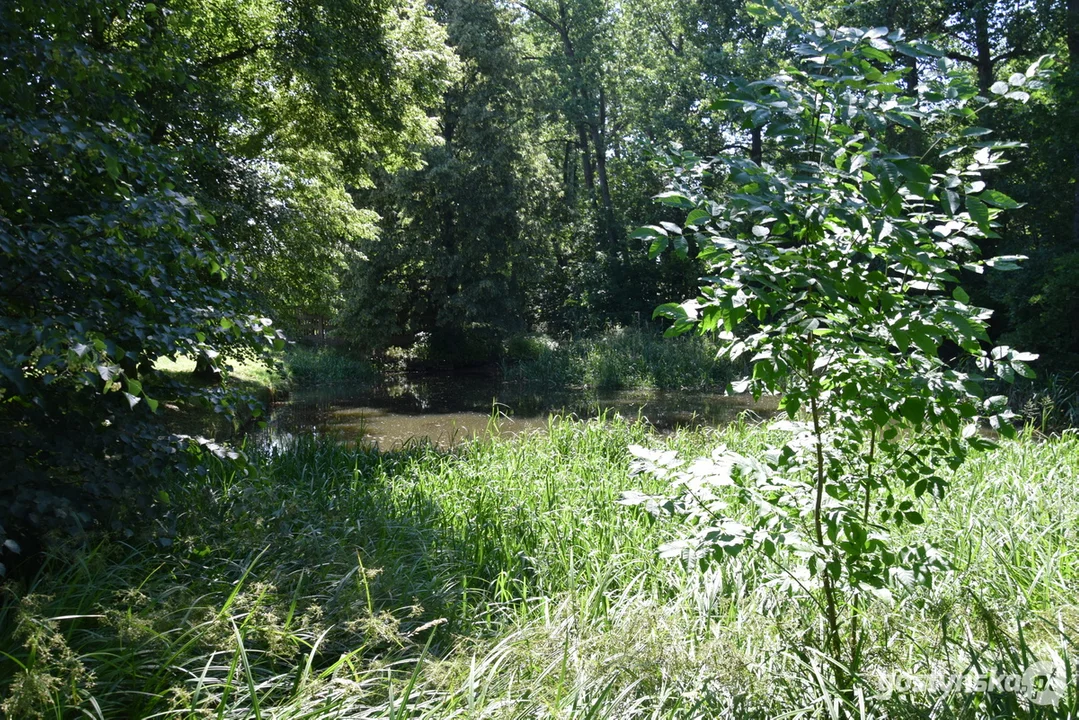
(835, 269)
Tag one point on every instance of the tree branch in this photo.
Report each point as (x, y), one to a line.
(962, 58)
(1009, 55)
(228, 57)
(542, 16)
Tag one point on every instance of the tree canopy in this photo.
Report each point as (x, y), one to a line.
(173, 177)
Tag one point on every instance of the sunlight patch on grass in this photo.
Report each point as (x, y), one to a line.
(253, 372)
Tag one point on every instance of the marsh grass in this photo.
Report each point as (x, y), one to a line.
(312, 365)
(1049, 402)
(500, 579)
(618, 359)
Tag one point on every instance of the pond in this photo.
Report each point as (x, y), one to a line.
(447, 409)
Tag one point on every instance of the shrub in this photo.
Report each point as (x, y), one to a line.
(845, 253)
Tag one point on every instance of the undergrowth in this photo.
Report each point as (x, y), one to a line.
(314, 365)
(500, 579)
(619, 359)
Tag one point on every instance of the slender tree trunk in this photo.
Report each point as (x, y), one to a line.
(450, 271)
(831, 601)
(983, 47)
(586, 158)
(1072, 103)
(599, 139)
(756, 146)
(912, 76)
(448, 220)
(569, 172)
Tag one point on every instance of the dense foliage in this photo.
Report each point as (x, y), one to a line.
(172, 175)
(556, 135)
(190, 183)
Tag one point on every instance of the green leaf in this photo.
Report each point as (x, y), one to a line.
(670, 310)
(657, 247)
(951, 202)
(1023, 369)
(979, 213)
(999, 199)
(914, 171)
(903, 119)
(961, 295)
(698, 217)
(758, 11)
(999, 88)
(874, 54)
(727, 104)
(648, 231)
(675, 199)
(1005, 262)
(913, 409)
(681, 246)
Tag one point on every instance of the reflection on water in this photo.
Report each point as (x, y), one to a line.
(446, 409)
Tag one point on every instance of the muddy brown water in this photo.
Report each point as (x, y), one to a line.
(447, 409)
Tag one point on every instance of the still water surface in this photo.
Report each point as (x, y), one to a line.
(447, 409)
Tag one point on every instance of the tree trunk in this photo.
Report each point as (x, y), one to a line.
(983, 48)
(1072, 103)
(205, 369)
(586, 158)
(912, 76)
(599, 139)
(569, 172)
(756, 146)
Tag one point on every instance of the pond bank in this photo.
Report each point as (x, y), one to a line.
(444, 409)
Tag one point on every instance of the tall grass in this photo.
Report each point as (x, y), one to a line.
(1049, 402)
(501, 580)
(619, 359)
(315, 365)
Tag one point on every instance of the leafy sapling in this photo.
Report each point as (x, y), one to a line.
(835, 268)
